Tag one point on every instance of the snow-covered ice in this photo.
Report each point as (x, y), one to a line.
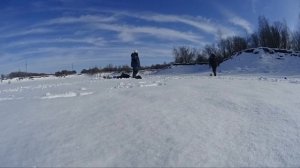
(182, 120)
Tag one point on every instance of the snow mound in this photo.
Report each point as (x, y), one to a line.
(263, 61)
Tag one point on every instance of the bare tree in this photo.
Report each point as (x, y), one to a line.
(254, 40)
(238, 44)
(229, 46)
(284, 36)
(210, 49)
(184, 54)
(201, 58)
(273, 36)
(264, 32)
(295, 44)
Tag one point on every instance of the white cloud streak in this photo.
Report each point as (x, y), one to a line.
(32, 31)
(81, 19)
(110, 19)
(128, 33)
(242, 23)
(200, 23)
(238, 21)
(96, 41)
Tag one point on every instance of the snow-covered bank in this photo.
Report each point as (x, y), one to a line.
(264, 63)
(259, 62)
(164, 120)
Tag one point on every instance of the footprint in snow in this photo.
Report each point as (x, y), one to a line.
(9, 98)
(122, 85)
(65, 95)
(154, 84)
(86, 93)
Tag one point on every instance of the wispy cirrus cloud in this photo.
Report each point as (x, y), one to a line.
(80, 19)
(125, 32)
(29, 31)
(95, 41)
(203, 24)
(128, 33)
(237, 20)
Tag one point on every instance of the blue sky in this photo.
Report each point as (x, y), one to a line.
(51, 35)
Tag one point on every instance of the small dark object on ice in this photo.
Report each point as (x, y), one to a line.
(138, 77)
(107, 77)
(123, 75)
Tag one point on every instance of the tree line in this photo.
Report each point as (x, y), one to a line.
(90, 71)
(122, 68)
(271, 35)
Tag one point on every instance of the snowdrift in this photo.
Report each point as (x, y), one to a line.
(259, 61)
(263, 61)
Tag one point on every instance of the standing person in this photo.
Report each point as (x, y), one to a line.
(213, 63)
(135, 63)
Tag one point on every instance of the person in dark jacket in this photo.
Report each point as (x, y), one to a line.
(135, 63)
(213, 63)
